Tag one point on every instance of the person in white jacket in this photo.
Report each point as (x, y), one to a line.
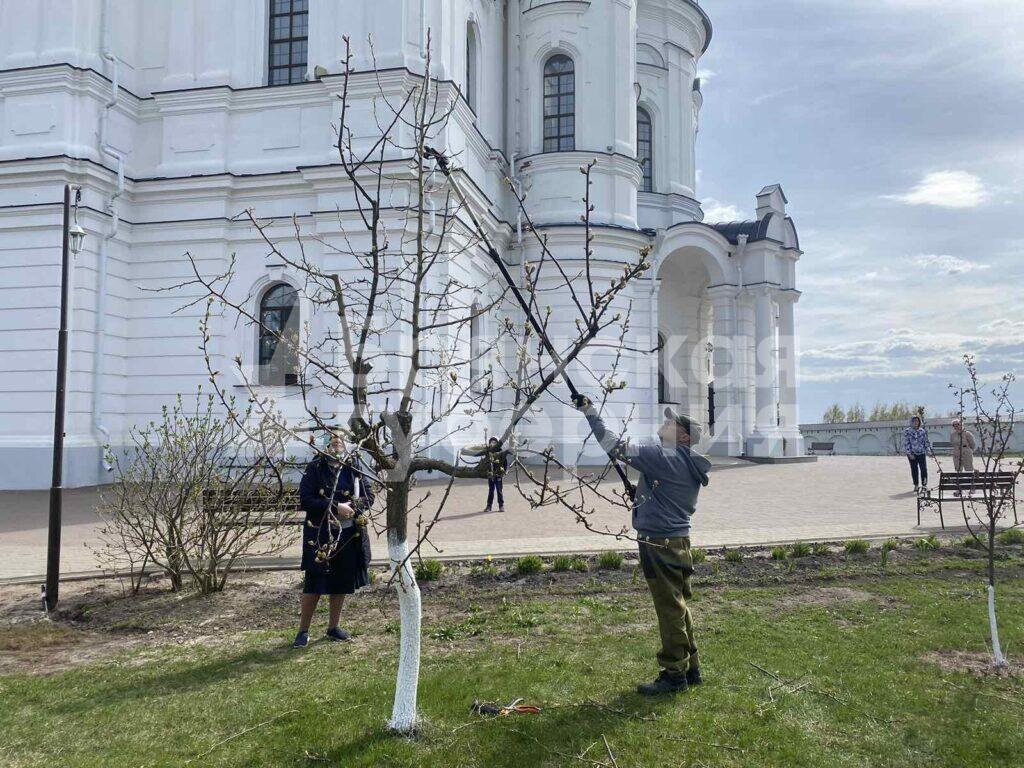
(963, 443)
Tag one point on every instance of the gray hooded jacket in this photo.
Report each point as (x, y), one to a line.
(670, 480)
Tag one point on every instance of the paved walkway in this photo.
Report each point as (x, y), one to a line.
(835, 497)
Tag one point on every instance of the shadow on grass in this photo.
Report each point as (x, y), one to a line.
(148, 682)
(554, 737)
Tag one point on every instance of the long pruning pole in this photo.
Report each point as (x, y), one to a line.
(445, 167)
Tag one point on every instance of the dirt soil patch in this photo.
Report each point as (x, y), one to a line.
(97, 619)
(977, 663)
(825, 597)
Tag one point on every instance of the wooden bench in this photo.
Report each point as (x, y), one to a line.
(829, 448)
(972, 486)
(249, 501)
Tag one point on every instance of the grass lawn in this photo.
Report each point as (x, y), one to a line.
(835, 661)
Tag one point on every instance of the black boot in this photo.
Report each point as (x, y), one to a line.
(693, 676)
(665, 683)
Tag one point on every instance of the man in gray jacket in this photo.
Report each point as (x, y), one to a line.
(671, 476)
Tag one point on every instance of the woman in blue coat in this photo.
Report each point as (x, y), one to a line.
(335, 543)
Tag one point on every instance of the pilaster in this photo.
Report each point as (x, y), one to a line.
(766, 439)
(790, 426)
(727, 438)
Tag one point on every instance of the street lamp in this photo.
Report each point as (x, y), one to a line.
(74, 236)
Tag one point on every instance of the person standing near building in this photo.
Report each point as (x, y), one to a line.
(917, 447)
(671, 476)
(497, 466)
(335, 545)
(963, 444)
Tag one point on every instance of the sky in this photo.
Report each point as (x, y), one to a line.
(896, 129)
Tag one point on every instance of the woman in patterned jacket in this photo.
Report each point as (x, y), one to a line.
(917, 447)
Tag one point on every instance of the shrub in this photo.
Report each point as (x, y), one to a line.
(924, 545)
(561, 563)
(892, 543)
(1012, 536)
(972, 543)
(800, 549)
(579, 564)
(188, 498)
(485, 569)
(818, 548)
(610, 560)
(428, 570)
(779, 553)
(698, 555)
(856, 546)
(733, 556)
(529, 564)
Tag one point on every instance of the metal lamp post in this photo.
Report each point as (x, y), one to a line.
(74, 236)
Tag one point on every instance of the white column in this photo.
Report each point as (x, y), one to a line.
(745, 363)
(181, 47)
(679, 134)
(790, 427)
(727, 351)
(622, 60)
(215, 31)
(766, 440)
(656, 406)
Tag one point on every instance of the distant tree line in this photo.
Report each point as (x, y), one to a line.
(898, 411)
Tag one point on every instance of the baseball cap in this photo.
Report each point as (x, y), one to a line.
(681, 419)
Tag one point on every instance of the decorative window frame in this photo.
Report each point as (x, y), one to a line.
(642, 107)
(536, 104)
(247, 336)
(268, 67)
(474, 64)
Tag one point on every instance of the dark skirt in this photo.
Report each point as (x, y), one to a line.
(344, 573)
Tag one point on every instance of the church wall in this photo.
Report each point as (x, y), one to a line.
(203, 139)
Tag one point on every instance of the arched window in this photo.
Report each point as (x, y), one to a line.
(279, 336)
(645, 149)
(471, 65)
(559, 104)
(289, 38)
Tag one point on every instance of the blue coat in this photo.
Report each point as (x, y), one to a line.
(314, 492)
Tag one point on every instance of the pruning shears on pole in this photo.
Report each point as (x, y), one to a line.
(445, 167)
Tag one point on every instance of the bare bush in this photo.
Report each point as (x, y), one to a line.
(192, 496)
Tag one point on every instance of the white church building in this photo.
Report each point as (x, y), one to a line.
(173, 116)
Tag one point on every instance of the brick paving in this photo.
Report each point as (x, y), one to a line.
(745, 504)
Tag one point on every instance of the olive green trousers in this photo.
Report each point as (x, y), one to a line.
(667, 565)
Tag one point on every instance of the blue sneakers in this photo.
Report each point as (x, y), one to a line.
(337, 634)
(301, 640)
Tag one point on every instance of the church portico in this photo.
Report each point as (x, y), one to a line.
(724, 322)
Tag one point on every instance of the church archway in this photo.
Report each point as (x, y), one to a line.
(685, 329)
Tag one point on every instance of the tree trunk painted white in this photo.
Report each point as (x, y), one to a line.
(997, 651)
(403, 715)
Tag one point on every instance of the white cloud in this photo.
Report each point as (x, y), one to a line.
(946, 189)
(951, 265)
(715, 211)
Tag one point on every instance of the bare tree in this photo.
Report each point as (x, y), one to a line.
(987, 500)
(392, 355)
